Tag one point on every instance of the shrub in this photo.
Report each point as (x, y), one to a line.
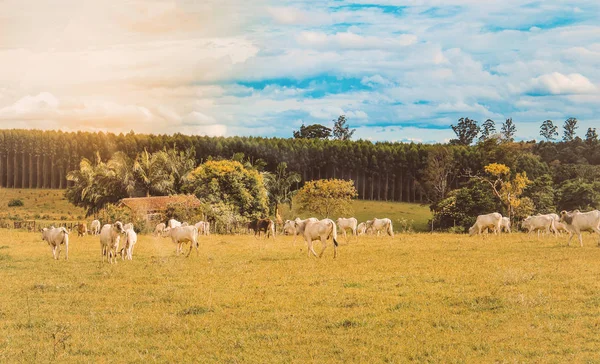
(15, 202)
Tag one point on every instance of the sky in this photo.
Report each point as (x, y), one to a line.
(399, 70)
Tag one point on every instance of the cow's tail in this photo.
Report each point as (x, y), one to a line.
(334, 233)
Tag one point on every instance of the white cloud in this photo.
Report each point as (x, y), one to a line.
(558, 84)
(349, 40)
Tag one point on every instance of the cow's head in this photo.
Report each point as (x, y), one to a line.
(118, 226)
(471, 230)
(567, 217)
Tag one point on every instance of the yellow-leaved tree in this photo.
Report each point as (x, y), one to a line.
(326, 197)
(508, 189)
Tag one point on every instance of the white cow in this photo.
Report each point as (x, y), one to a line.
(110, 235)
(296, 227)
(538, 223)
(576, 222)
(130, 240)
(203, 227)
(173, 223)
(378, 225)
(320, 230)
(505, 225)
(490, 221)
(128, 226)
(349, 223)
(159, 229)
(183, 234)
(95, 227)
(55, 237)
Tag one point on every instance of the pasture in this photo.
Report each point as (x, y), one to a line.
(416, 297)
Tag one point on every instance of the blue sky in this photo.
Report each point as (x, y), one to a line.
(399, 70)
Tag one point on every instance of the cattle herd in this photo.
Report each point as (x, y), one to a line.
(311, 229)
(573, 222)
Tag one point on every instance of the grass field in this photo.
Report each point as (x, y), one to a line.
(416, 297)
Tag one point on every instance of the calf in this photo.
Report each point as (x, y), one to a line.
(159, 229)
(55, 237)
(81, 230)
(576, 222)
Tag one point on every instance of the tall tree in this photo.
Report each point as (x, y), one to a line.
(569, 127)
(548, 130)
(591, 136)
(487, 129)
(279, 186)
(466, 131)
(341, 131)
(326, 198)
(439, 173)
(314, 131)
(508, 130)
(152, 173)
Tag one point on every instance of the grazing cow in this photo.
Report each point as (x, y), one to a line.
(262, 225)
(95, 227)
(538, 223)
(130, 240)
(55, 237)
(173, 223)
(110, 235)
(82, 230)
(159, 229)
(378, 225)
(349, 223)
(320, 230)
(576, 222)
(184, 234)
(490, 221)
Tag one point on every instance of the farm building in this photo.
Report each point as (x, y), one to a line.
(154, 208)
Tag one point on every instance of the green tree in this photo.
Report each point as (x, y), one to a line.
(508, 130)
(230, 183)
(153, 173)
(487, 129)
(314, 131)
(326, 197)
(466, 131)
(548, 130)
(439, 173)
(279, 186)
(577, 194)
(570, 126)
(591, 136)
(341, 131)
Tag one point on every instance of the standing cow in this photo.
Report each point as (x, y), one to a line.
(262, 225)
(130, 240)
(576, 222)
(183, 234)
(110, 235)
(95, 227)
(347, 223)
(82, 230)
(320, 230)
(55, 237)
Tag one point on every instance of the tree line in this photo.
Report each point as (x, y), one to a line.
(407, 172)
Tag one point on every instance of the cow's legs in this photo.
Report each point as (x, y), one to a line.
(310, 248)
(324, 245)
(570, 237)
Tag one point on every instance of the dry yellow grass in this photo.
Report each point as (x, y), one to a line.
(418, 297)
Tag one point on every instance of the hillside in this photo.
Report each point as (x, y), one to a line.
(414, 214)
(42, 204)
(47, 204)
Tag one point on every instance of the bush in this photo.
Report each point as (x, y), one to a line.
(15, 202)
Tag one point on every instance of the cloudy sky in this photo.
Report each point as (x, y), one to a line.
(399, 70)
